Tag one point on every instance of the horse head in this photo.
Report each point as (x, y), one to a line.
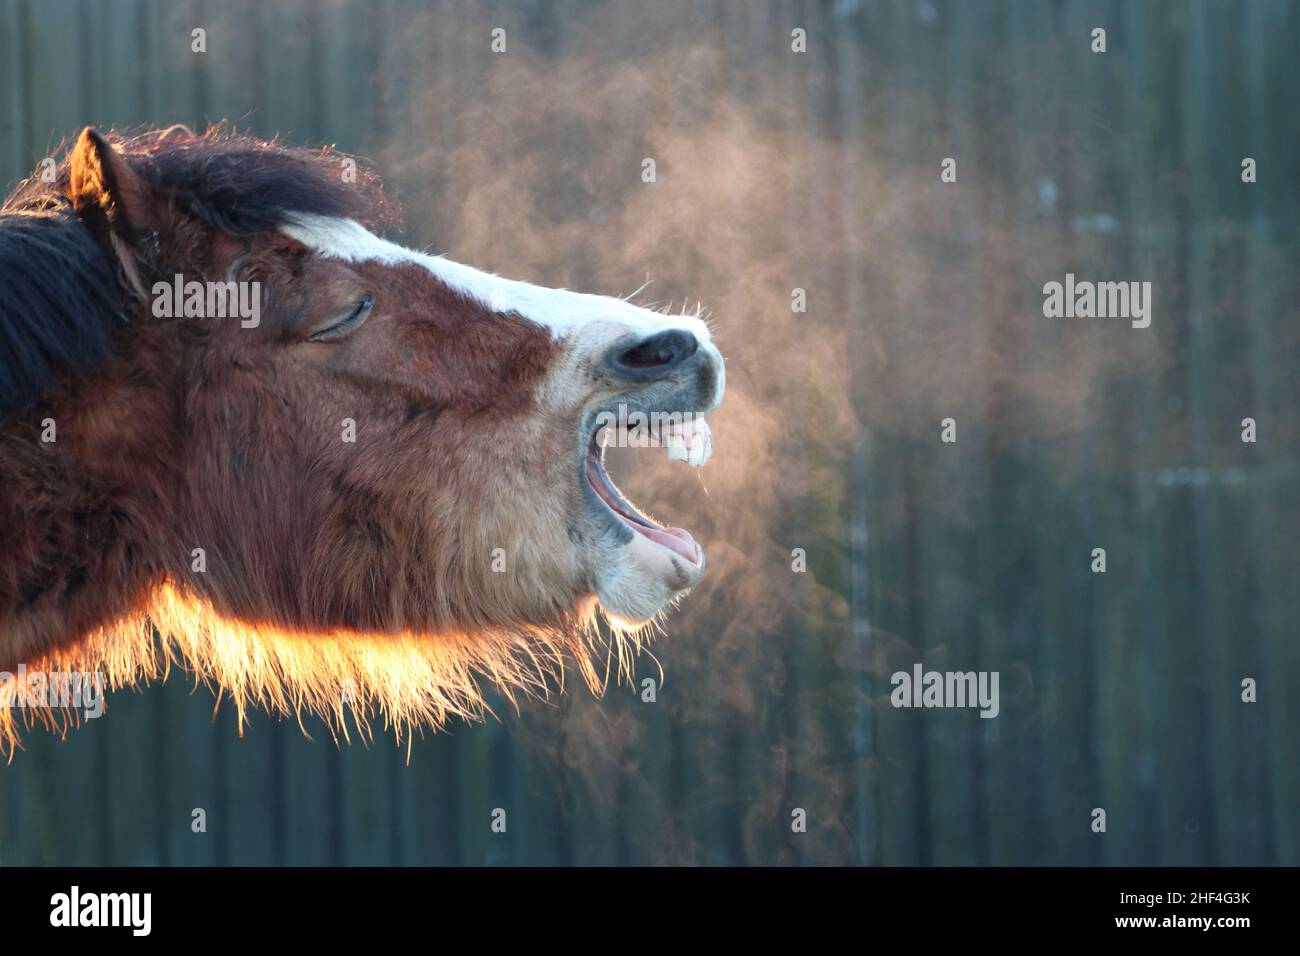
(306, 460)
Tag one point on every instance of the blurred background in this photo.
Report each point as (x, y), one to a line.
(819, 171)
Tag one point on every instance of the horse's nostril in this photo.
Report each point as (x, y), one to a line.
(660, 351)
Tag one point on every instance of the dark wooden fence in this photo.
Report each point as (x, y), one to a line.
(818, 171)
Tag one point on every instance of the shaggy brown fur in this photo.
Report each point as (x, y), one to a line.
(337, 574)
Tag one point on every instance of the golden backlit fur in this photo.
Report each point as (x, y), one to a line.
(406, 680)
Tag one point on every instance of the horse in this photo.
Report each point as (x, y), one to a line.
(244, 434)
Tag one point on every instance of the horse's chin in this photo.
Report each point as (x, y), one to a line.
(644, 580)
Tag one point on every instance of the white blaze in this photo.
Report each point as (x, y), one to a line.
(559, 310)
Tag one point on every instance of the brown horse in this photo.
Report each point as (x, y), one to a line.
(241, 432)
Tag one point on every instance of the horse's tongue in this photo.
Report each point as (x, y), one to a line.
(674, 539)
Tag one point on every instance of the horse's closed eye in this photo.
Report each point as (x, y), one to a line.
(359, 313)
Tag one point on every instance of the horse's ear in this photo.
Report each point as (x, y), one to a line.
(111, 200)
(104, 189)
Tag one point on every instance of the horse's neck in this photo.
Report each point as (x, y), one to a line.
(75, 552)
(88, 405)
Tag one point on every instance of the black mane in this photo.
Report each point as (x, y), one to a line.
(59, 297)
(60, 292)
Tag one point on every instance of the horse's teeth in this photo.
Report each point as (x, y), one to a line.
(691, 441)
(696, 457)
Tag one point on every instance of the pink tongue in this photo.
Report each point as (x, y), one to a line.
(675, 539)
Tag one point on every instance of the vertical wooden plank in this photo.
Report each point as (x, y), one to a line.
(1173, 582)
(1117, 486)
(133, 789)
(1209, 708)
(57, 101)
(306, 804)
(147, 32)
(731, 765)
(192, 783)
(952, 482)
(27, 843)
(1065, 476)
(243, 823)
(13, 815)
(1273, 660)
(1149, 201)
(852, 78)
(1229, 823)
(291, 100)
(829, 667)
(784, 773)
(14, 117)
(1180, 761)
(891, 508)
(230, 79)
(368, 808)
(170, 29)
(119, 64)
(987, 441)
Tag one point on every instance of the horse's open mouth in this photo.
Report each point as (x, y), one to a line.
(691, 443)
